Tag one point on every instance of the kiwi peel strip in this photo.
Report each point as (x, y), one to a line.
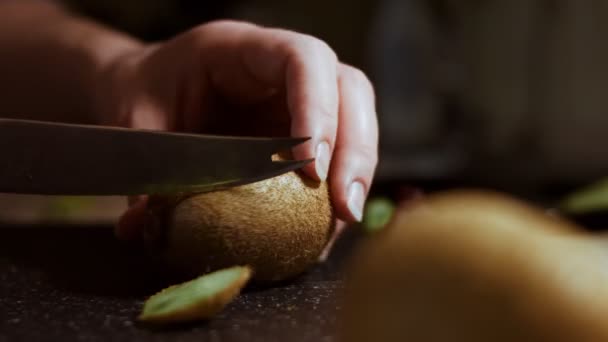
(197, 299)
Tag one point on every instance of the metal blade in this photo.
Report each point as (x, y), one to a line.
(63, 159)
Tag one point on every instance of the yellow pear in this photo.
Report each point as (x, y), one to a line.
(477, 266)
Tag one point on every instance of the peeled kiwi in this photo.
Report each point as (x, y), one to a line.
(477, 266)
(198, 299)
(278, 226)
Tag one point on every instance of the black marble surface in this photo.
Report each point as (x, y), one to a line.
(80, 284)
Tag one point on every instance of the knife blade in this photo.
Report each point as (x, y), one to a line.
(46, 158)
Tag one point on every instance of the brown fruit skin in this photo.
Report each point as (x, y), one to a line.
(477, 266)
(278, 226)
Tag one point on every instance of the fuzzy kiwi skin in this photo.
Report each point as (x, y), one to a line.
(477, 266)
(278, 226)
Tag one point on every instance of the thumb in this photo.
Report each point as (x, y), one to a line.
(131, 224)
(340, 226)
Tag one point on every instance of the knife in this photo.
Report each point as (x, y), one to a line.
(46, 158)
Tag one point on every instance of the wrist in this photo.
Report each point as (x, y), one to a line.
(89, 51)
(64, 53)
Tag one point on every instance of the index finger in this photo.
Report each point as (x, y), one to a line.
(307, 69)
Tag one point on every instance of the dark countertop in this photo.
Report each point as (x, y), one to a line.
(80, 284)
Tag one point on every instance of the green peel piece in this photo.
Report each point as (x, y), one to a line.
(198, 299)
(589, 199)
(378, 213)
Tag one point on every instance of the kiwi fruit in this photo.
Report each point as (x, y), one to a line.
(377, 214)
(197, 299)
(590, 199)
(278, 226)
(468, 265)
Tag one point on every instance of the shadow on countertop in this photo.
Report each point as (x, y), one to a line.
(89, 259)
(86, 259)
(79, 283)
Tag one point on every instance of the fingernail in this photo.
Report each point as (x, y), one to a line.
(356, 198)
(322, 160)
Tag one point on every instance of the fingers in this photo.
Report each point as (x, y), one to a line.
(307, 69)
(356, 152)
(332, 104)
(312, 97)
(248, 62)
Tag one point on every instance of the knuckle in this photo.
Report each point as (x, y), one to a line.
(328, 112)
(319, 46)
(225, 24)
(355, 76)
(364, 156)
(302, 45)
(369, 156)
(216, 28)
(320, 118)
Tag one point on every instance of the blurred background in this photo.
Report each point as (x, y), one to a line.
(507, 94)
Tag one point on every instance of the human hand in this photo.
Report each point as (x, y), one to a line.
(226, 76)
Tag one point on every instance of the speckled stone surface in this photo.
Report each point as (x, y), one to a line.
(80, 284)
